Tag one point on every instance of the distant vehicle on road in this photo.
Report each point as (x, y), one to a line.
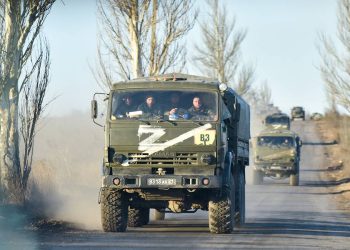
(277, 121)
(298, 112)
(316, 116)
(276, 155)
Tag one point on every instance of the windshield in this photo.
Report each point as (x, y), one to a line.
(277, 120)
(161, 104)
(280, 141)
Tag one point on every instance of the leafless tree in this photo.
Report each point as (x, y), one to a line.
(142, 37)
(335, 63)
(260, 96)
(218, 54)
(265, 94)
(32, 105)
(21, 23)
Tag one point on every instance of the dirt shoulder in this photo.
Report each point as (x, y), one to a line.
(337, 155)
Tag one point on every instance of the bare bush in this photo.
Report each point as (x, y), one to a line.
(335, 62)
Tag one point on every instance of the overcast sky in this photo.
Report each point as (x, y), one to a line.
(281, 43)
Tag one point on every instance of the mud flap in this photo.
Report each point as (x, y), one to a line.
(227, 170)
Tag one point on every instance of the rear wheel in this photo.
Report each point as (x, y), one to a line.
(222, 210)
(114, 210)
(258, 177)
(138, 217)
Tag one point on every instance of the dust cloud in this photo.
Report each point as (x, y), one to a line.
(66, 170)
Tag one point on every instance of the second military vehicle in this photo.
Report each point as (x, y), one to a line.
(276, 155)
(174, 143)
(298, 112)
(277, 121)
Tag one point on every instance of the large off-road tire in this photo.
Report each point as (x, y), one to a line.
(114, 210)
(158, 215)
(222, 211)
(240, 214)
(138, 217)
(294, 178)
(258, 177)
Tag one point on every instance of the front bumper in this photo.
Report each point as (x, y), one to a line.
(162, 181)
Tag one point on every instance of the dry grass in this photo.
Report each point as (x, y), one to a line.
(337, 128)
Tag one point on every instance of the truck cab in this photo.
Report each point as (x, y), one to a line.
(277, 121)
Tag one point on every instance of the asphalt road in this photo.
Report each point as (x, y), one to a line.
(278, 217)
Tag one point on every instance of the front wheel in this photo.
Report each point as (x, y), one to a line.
(294, 178)
(114, 210)
(222, 210)
(258, 177)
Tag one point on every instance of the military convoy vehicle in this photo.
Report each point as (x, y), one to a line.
(277, 121)
(298, 112)
(171, 158)
(276, 155)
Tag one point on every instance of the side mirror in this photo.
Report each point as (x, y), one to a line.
(94, 109)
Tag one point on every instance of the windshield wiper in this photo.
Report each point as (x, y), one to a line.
(197, 123)
(171, 122)
(144, 121)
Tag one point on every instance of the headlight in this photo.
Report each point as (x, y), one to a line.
(119, 158)
(223, 87)
(207, 159)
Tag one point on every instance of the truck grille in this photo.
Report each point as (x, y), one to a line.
(165, 159)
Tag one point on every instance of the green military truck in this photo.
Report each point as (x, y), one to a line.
(277, 121)
(170, 155)
(276, 155)
(298, 112)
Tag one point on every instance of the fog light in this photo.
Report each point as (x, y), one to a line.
(205, 181)
(119, 158)
(116, 181)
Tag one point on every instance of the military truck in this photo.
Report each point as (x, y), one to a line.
(276, 155)
(174, 162)
(298, 112)
(277, 121)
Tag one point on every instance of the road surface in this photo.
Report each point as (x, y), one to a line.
(278, 217)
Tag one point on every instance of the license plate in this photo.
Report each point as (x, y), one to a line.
(276, 168)
(161, 181)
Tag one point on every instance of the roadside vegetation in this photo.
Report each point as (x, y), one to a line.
(334, 69)
(335, 136)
